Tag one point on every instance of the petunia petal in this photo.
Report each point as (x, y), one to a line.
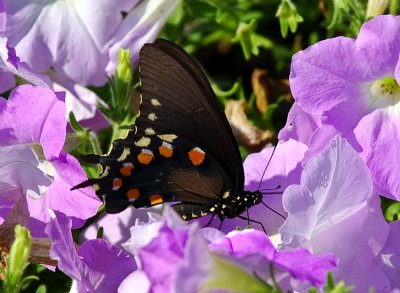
(93, 264)
(299, 125)
(2, 17)
(10, 65)
(79, 205)
(141, 26)
(390, 257)
(47, 129)
(326, 213)
(19, 168)
(381, 131)
(137, 280)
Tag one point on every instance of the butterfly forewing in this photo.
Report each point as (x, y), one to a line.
(189, 106)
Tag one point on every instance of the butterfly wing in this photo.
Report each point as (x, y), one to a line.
(181, 148)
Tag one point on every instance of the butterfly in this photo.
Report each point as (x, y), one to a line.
(181, 148)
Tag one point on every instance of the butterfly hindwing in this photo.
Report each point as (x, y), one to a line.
(173, 179)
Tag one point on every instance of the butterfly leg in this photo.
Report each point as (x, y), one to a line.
(253, 221)
(272, 210)
(210, 221)
(220, 225)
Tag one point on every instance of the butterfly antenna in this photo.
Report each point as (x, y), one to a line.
(266, 189)
(272, 210)
(271, 193)
(266, 167)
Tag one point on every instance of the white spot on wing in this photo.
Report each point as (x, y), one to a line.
(152, 116)
(105, 172)
(155, 102)
(143, 142)
(167, 137)
(149, 131)
(124, 154)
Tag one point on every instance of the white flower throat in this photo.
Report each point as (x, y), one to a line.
(384, 93)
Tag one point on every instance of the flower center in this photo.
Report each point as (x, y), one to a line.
(384, 92)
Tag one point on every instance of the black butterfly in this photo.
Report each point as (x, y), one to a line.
(181, 148)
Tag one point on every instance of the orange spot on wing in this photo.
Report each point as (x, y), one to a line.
(155, 199)
(133, 194)
(145, 157)
(117, 183)
(197, 156)
(166, 151)
(126, 169)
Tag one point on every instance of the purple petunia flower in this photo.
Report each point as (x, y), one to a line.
(74, 46)
(353, 86)
(95, 266)
(32, 163)
(84, 38)
(82, 32)
(174, 256)
(335, 209)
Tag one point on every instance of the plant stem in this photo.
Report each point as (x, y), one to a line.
(394, 5)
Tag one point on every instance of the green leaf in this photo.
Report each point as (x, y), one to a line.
(74, 123)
